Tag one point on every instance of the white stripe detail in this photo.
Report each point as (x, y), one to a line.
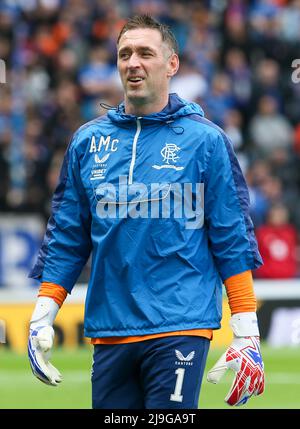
(159, 167)
(138, 130)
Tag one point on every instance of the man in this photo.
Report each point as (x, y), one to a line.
(158, 257)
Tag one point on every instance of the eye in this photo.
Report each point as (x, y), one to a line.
(124, 56)
(146, 54)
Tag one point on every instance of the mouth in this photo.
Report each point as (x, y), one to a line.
(135, 80)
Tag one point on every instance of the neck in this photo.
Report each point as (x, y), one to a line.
(143, 108)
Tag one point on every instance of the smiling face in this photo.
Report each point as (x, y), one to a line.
(146, 64)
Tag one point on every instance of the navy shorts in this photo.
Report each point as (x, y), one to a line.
(160, 373)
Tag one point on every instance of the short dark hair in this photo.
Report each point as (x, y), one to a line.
(147, 21)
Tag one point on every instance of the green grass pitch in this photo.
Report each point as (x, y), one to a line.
(20, 389)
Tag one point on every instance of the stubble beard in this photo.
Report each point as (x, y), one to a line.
(140, 98)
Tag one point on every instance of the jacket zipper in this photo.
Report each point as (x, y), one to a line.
(133, 156)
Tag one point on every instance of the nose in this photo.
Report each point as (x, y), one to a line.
(134, 61)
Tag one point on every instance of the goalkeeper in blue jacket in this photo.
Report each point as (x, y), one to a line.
(153, 191)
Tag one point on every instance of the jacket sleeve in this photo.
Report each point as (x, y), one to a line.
(226, 211)
(67, 241)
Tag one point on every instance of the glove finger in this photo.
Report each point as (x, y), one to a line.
(44, 380)
(39, 374)
(47, 369)
(218, 370)
(239, 391)
(40, 358)
(52, 374)
(56, 375)
(237, 396)
(260, 387)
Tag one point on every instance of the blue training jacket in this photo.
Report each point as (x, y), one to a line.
(162, 205)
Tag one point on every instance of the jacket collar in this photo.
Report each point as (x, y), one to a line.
(175, 108)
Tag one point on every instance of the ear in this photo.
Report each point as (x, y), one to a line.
(173, 65)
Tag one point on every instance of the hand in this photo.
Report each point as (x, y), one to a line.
(39, 350)
(244, 358)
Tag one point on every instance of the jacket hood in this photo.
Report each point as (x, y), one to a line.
(176, 107)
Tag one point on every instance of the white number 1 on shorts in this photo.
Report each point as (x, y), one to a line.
(176, 396)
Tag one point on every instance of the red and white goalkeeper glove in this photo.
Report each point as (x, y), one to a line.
(243, 357)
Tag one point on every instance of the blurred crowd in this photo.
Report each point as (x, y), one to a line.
(236, 62)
